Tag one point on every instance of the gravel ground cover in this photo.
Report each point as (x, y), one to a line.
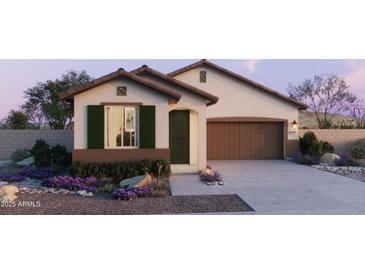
(353, 172)
(60, 204)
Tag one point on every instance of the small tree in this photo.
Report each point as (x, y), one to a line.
(16, 120)
(44, 106)
(326, 95)
(358, 113)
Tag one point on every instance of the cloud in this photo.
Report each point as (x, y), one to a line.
(251, 64)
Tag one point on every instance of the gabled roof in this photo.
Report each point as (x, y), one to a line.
(204, 62)
(145, 69)
(121, 73)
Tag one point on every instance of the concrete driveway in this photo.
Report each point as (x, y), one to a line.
(280, 187)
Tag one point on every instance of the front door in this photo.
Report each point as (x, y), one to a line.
(179, 136)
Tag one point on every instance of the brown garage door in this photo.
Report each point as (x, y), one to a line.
(244, 140)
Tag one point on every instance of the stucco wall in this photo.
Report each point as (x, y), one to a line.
(341, 139)
(11, 140)
(135, 93)
(197, 106)
(240, 99)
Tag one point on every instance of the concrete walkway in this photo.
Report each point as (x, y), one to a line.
(280, 187)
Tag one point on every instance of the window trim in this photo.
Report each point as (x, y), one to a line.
(106, 119)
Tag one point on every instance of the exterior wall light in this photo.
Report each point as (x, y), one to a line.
(294, 124)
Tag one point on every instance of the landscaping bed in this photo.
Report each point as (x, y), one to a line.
(353, 172)
(46, 182)
(60, 204)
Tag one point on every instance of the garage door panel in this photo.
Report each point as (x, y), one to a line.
(244, 140)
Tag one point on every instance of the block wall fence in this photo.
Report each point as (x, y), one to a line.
(11, 140)
(341, 139)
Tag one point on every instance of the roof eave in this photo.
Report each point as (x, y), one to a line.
(299, 104)
(119, 73)
(145, 69)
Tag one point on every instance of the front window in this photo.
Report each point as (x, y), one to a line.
(121, 127)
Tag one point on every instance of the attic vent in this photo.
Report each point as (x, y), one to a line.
(203, 76)
(121, 91)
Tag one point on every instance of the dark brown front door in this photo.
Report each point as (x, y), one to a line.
(179, 136)
(245, 140)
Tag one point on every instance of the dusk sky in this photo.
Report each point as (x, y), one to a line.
(18, 75)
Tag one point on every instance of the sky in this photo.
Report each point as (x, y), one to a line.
(18, 75)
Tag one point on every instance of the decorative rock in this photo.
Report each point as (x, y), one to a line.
(329, 158)
(146, 182)
(349, 171)
(3, 183)
(8, 193)
(208, 171)
(138, 181)
(6, 163)
(26, 162)
(84, 193)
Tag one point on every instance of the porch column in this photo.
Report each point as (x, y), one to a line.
(202, 147)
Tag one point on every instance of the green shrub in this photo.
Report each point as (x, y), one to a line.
(358, 150)
(306, 159)
(60, 156)
(309, 144)
(38, 144)
(325, 147)
(77, 170)
(42, 153)
(106, 188)
(122, 170)
(161, 169)
(325, 124)
(20, 154)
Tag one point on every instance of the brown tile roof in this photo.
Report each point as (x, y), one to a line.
(121, 73)
(145, 69)
(204, 62)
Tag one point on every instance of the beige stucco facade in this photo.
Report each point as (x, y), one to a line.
(106, 93)
(197, 107)
(137, 93)
(239, 99)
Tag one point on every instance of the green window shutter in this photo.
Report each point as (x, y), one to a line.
(95, 127)
(147, 126)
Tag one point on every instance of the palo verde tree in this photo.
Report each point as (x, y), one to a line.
(325, 95)
(44, 106)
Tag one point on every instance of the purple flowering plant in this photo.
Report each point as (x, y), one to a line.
(345, 160)
(12, 178)
(67, 182)
(37, 173)
(210, 175)
(129, 194)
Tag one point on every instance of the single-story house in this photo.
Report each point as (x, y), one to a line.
(200, 112)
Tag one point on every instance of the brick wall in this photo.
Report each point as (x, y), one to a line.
(341, 139)
(10, 140)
